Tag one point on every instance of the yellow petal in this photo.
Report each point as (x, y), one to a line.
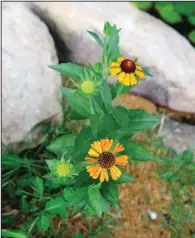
(114, 71)
(107, 145)
(121, 77)
(93, 153)
(121, 160)
(127, 80)
(120, 59)
(95, 173)
(138, 67)
(118, 148)
(90, 168)
(140, 74)
(103, 175)
(97, 147)
(133, 79)
(115, 172)
(114, 64)
(88, 159)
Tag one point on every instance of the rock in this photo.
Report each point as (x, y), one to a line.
(178, 136)
(167, 54)
(29, 87)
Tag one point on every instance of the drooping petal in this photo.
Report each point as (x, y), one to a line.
(127, 80)
(91, 168)
(138, 67)
(133, 79)
(95, 173)
(115, 70)
(88, 159)
(97, 146)
(103, 175)
(118, 148)
(115, 172)
(140, 74)
(115, 64)
(121, 77)
(121, 160)
(93, 153)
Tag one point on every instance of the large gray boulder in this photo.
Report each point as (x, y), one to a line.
(168, 55)
(29, 87)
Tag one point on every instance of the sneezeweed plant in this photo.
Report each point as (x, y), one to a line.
(81, 170)
(101, 150)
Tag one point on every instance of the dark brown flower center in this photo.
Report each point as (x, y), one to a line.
(128, 66)
(106, 160)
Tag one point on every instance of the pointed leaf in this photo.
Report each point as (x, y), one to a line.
(97, 38)
(124, 178)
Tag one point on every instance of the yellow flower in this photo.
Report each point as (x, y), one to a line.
(88, 87)
(126, 69)
(63, 169)
(105, 160)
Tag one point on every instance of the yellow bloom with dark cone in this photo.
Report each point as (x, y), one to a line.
(106, 160)
(126, 69)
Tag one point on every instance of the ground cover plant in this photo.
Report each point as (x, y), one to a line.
(75, 172)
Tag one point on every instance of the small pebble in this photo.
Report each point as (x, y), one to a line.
(152, 215)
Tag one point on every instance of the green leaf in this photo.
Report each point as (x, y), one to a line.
(141, 120)
(82, 144)
(146, 72)
(124, 178)
(76, 116)
(168, 13)
(95, 199)
(191, 20)
(14, 233)
(188, 156)
(38, 183)
(77, 101)
(107, 28)
(43, 223)
(121, 115)
(108, 124)
(143, 5)
(11, 161)
(89, 211)
(191, 36)
(74, 196)
(111, 49)
(57, 206)
(138, 152)
(104, 98)
(62, 144)
(97, 38)
(69, 69)
(110, 192)
(98, 68)
(24, 205)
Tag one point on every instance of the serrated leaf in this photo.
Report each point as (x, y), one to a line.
(110, 192)
(62, 144)
(43, 223)
(124, 178)
(38, 184)
(14, 233)
(138, 152)
(97, 38)
(95, 199)
(57, 206)
(140, 120)
(69, 69)
(77, 101)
